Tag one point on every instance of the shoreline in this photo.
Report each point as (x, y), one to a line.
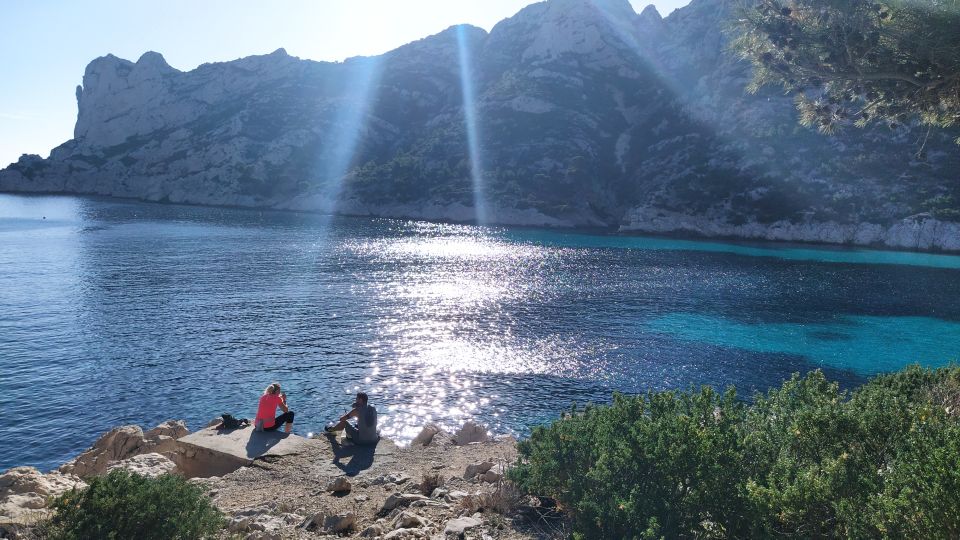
(615, 231)
(438, 485)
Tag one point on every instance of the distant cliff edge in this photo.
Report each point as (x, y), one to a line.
(569, 113)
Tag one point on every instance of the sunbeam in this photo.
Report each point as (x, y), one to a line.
(470, 118)
(345, 134)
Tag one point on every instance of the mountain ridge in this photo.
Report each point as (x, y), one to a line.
(584, 114)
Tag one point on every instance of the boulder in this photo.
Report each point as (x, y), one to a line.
(455, 496)
(150, 465)
(397, 500)
(425, 436)
(25, 491)
(336, 523)
(339, 523)
(339, 485)
(123, 443)
(392, 478)
(477, 469)
(171, 428)
(471, 432)
(373, 531)
(259, 522)
(409, 520)
(405, 533)
(491, 477)
(431, 435)
(458, 526)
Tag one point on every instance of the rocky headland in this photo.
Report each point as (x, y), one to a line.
(275, 486)
(587, 114)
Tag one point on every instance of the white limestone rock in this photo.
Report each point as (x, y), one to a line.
(123, 443)
(397, 500)
(458, 526)
(339, 485)
(25, 492)
(409, 520)
(471, 432)
(921, 232)
(150, 465)
(475, 469)
(491, 477)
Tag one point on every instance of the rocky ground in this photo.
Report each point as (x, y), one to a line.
(441, 486)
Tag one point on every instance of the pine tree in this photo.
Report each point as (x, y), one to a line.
(858, 62)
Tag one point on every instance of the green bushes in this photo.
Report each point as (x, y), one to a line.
(121, 505)
(805, 460)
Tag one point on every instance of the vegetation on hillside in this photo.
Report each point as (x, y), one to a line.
(805, 460)
(859, 61)
(124, 505)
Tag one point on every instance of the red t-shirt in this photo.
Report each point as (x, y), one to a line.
(267, 409)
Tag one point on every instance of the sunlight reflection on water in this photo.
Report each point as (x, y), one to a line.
(432, 343)
(186, 312)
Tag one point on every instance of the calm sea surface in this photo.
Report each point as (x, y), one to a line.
(115, 312)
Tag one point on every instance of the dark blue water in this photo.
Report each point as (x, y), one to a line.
(120, 312)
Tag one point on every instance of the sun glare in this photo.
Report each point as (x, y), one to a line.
(470, 118)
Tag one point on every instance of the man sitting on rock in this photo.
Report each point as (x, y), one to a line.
(365, 430)
(271, 399)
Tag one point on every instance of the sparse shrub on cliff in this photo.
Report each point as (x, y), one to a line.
(804, 460)
(123, 505)
(430, 482)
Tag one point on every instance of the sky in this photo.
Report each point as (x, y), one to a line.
(45, 45)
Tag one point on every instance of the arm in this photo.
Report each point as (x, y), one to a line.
(283, 403)
(351, 414)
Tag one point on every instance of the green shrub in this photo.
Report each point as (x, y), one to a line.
(805, 460)
(121, 505)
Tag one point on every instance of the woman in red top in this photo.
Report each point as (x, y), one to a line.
(271, 399)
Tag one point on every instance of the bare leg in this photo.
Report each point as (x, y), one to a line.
(339, 427)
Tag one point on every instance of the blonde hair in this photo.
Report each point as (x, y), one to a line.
(272, 389)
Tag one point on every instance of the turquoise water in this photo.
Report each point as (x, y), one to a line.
(863, 344)
(115, 312)
(779, 251)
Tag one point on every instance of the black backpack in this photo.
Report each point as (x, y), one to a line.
(229, 422)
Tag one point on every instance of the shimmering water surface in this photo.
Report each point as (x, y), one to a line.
(116, 312)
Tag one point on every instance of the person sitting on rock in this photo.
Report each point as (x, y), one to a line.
(365, 430)
(271, 399)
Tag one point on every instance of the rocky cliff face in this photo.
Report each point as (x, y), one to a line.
(572, 112)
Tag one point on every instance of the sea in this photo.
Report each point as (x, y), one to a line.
(118, 312)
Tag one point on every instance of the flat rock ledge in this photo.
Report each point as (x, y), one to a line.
(273, 486)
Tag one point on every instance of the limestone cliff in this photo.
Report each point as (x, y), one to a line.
(582, 113)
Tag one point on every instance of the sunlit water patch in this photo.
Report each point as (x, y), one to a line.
(163, 311)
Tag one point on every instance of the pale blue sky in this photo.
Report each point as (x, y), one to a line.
(45, 45)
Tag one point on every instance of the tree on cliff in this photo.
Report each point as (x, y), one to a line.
(858, 61)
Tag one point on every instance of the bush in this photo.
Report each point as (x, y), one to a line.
(804, 460)
(122, 505)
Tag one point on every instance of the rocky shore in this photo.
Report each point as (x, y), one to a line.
(275, 486)
(920, 232)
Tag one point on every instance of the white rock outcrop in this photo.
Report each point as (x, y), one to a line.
(471, 432)
(149, 465)
(919, 232)
(123, 443)
(593, 116)
(25, 492)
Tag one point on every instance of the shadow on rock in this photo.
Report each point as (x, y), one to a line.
(261, 441)
(361, 455)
